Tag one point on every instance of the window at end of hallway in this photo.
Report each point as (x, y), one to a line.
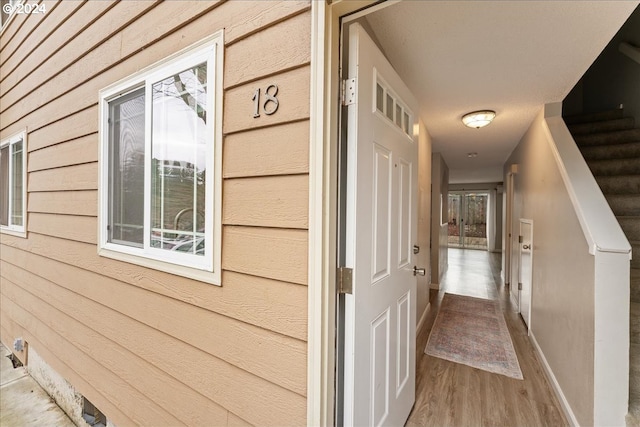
(13, 189)
(160, 165)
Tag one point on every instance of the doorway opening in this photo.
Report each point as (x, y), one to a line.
(467, 220)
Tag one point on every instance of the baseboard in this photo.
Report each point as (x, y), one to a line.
(423, 319)
(554, 383)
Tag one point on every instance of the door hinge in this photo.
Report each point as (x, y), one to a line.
(520, 239)
(519, 286)
(348, 92)
(344, 280)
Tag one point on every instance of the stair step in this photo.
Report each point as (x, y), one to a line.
(635, 284)
(634, 323)
(624, 204)
(631, 226)
(611, 151)
(602, 126)
(603, 138)
(594, 117)
(619, 184)
(629, 166)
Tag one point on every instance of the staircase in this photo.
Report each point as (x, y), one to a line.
(610, 144)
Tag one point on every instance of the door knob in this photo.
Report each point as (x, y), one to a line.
(418, 271)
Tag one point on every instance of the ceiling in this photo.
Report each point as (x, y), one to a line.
(511, 57)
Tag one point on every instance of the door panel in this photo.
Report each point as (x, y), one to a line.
(381, 229)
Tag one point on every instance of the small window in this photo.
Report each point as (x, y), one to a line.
(379, 98)
(389, 107)
(13, 189)
(160, 166)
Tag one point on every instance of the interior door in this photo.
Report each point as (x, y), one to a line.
(381, 229)
(526, 269)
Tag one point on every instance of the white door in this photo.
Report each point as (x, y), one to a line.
(526, 269)
(381, 229)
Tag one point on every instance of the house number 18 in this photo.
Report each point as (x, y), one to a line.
(269, 105)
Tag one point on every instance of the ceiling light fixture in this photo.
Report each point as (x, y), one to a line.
(478, 119)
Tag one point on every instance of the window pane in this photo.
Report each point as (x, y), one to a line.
(178, 149)
(16, 183)
(389, 107)
(399, 116)
(406, 124)
(4, 185)
(379, 98)
(126, 192)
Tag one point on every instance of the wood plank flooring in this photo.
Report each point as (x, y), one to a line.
(452, 394)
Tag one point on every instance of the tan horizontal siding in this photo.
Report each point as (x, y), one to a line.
(77, 177)
(267, 147)
(74, 152)
(238, 350)
(221, 382)
(293, 99)
(68, 202)
(51, 54)
(76, 125)
(268, 52)
(281, 201)
(36, 317)
(71, 227)
(272, 253)
(15, 45)
(11, 328)
(72, 96)
(281, 360)
(56, 15)
(269, 304)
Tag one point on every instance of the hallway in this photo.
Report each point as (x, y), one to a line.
(452, 394)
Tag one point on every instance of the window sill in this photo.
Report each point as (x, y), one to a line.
(179, 270)
(13, 232)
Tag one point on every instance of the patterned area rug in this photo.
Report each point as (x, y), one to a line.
(472, 331)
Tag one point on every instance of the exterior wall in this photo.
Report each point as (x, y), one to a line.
(439, 212)
(148, 347)
(562, 302)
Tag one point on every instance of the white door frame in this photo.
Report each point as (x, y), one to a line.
(323, 197)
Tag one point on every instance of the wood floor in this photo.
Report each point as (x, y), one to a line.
(451, 394)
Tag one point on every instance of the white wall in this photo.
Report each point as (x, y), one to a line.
(439, 206)
(423, 258)
(562, 306)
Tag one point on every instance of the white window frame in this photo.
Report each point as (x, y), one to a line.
(205, 268)
(16, 230)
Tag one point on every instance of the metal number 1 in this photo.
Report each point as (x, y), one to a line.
(270, 104)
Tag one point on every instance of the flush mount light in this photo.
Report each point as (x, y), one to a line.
(478, 119)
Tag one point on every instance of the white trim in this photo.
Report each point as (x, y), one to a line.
(320, 348)
(422, 320)
(16, 230)
(205, 268)
(599, 225)
(325, 37)
(564, 404)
